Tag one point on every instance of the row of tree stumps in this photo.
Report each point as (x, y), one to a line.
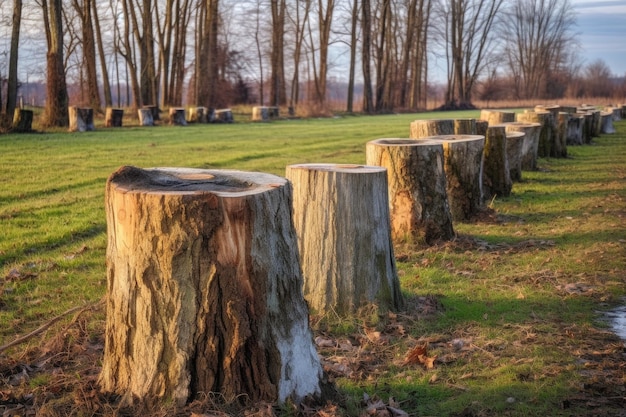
(209, 271)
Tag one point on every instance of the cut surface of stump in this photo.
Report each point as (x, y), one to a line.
(341, 217)
(113, 117)
(431, 127)
(418, 200)
(204, 289)
(81, 119)
(463, 164)
(496, 172)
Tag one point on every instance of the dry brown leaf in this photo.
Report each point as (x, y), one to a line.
(419, 354)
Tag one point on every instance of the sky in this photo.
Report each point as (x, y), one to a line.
(602, 32)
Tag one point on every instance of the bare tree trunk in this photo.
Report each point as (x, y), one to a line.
(56, 109)
(278, 93)
(366, 47)
(204, 289)
(108, 97)
(353, 44)
(341, 217)
(418, 201)
(13, 60)
(84, 10)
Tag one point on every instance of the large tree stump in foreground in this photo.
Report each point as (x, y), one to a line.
(431, 127)
(497, 117)
(204, 289)
(81, 119)
(113, 117)
(341, 217)
(418, 201)
(496, 173)
(530, 144)
(463, 163)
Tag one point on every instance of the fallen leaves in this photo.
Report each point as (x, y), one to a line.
(419, 355)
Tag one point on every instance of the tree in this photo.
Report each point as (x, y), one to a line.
(108, 99)
(597, 80)
(84, 10)
(207, 70)
(366, 46)
(56, 108)
(539, 42)
(12, 82)
(278, 92)
(299, 19)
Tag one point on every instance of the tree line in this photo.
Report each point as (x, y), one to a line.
(215, 53)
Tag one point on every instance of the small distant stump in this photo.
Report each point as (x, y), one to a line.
(177, 116)
(431, 127)
(465, 127)
(544, 119)
(418, 201)
(204, 289)
(496, 117)
(197, 115)
(224, 116)
(81, 119)
(341, 217)
(260, 114)
(575, 129)
(145, 117)
(156, 112)
(113, 117)
(559, 146)
(22, 121)
(462, 163)
(514, 148)
(496, 172)
(606, 123)
(530, 145)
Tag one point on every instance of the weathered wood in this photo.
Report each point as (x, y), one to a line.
(616, 111)
(177, 116)
(260, 114)
(145, 117)
(431, 127)
(481, 127)
(544, 119)
(587, 129)
(81, 119)
(559, 146)
(606, 123)
(197, 114)
(496, 117)
(224, 116)
(156, 112)
(462, 157)
(418, 200)
(341, 216)
(465, 126)
(22, 121)
(568, 109)
(204, 289)
(530, 144)
(113, 117)
(575, 129)
(496, 173)
(514, 152)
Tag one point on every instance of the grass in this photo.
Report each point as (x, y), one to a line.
(510, 308)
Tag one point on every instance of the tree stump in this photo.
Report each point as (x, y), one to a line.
(559, 146)
(544, 119)
(568, 109)
(156, 112)
(204, 289)
(197, 115)
(224, 116)
(575, 129)
(616, 111)
(81, 119)
(465, 127)
(177, 116)
(530, 144)
(587, 130)
(496, 173)
(481, 127)
(260, 114)
(431, 127)
(341, 216)
(22, 121)
(145, 117)
(606, 122)
(274, 112)
(514, 151)
(463, 164)
(113, 117)
(418, 200)
(497, 117)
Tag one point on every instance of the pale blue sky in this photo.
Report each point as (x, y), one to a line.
(602, 28)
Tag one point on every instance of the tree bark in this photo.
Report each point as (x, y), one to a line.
(204, 289)
(606, 123)
(496, 174)
(341, 216)
(575, 129)
(145, 116)
(418, 201)
(12, 82)
(81, 119)
(465, 127)
(56, 109)
(431, 127)
(530, 144)
(113, 117)
(22, 121)
(514, 148)
(496, 117)
(463, 161)
(177, 116)
(544, 119)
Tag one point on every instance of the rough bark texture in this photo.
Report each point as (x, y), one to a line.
(481, 127)
(559, 147)
(575, 129)
(587, 129)
(113, 117)
(81, 119)
(431, 127)
(22, 121)
(606, 123)
(341, 216)
(177, 116)
(418, 201)
(514, 147)
(463, 164)
(545, 133)
(530, 145)
(465, 127)
(204, 289)
(496, 174)
(496, 117)
(145, 117)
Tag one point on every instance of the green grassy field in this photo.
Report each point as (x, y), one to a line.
(510, 308)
